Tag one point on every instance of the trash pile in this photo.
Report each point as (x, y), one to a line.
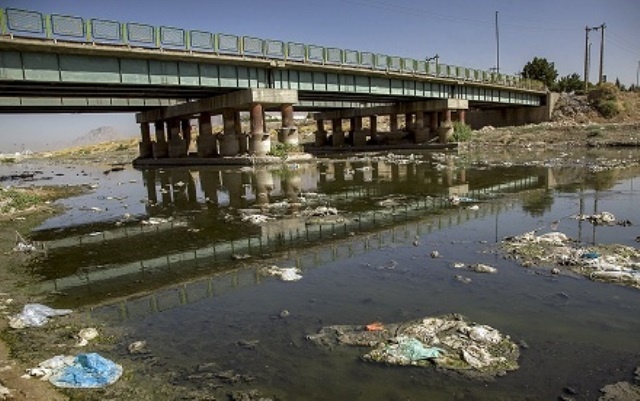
(82, 371)
(449, 342)
(35, 315)
(612, 263)
(284, 273)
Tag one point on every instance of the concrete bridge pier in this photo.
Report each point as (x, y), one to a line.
(288, 134)
(207, 141)
(320, 134)
(420, 132)
(359, 135)
(337, 136)
(177, 146)
(229, 145)
(145, 146)
(160, 147)
(259, 140)
(446, 127)
(373, 127)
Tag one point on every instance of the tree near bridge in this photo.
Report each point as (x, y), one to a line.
(570, 83)
(541, 70)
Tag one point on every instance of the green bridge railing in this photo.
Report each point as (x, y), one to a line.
(25, 23)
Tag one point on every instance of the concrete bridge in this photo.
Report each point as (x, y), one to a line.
(59, 63)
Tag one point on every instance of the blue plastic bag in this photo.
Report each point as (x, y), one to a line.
(87, 371)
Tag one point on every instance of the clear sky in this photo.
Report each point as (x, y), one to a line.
(461, 32)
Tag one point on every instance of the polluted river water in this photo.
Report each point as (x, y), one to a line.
(174, 257)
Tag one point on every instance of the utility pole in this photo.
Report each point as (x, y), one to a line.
(601, 52)
(586, 57)
(638, 76)
(497, 46)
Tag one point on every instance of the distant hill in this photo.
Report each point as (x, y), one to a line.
(99, 135)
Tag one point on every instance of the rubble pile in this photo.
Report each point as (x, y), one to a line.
(449, 342)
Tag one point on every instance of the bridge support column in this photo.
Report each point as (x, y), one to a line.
(160, 147)
(337, 136)
(420, 131)
(462, 116)
(243, 138)
(373, 128)
(206, 142)
(259, 140)
(446, 129)
(176, 143)
(359, 135)
(185, 126)
(145, 146)
(288, 134)
(229, 145)
(393, 122)
(434, 123)
(320, 134)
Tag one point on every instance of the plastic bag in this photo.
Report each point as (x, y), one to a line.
(87, 371)
(35, 315)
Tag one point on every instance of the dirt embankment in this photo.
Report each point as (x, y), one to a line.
(575, 122)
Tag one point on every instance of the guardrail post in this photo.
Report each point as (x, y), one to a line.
(87, 33)
(3, 22)
(187, 40)
(306, 53)
(240, 43)
(125, 37)
(156, 37)
(48, 33)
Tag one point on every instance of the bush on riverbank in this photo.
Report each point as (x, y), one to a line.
(605, 99)
(461, 132)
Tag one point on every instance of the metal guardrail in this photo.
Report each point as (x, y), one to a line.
(25, 23)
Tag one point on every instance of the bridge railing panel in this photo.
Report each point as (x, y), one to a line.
(202, 41)
(173, 37)
(252, 46)
(381, 62)
(29, 23)
(333, 56)
(351, 57)
(367, 59)
(395, 63)
(409, 65)
(67, 27)
(421, 67)
(229, 44)
(315, 54)
(296, 51)
(105, 30)
(274, 49)
(141, 34)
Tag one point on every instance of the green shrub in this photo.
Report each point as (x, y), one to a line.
(604, 98)
(17, 199)
(461, 132)
(609, 108)
(282, 150)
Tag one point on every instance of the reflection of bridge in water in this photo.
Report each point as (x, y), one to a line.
(191, 246)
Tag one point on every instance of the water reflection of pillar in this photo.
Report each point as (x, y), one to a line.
(165, 188)
(248, 194)
(232, 181)
(339, 171)
(264, 185)
(449, 173)
(395, 173)
(209, 183)
(149, 179)
(330, 172)
(181, 180)
(291, 186)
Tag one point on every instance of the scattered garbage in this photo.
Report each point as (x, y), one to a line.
(476, 267)
(604, 218)
(612, 263)
(137, 347)
(449, 342)
(86, 335)
(5, 393)
(256, 219)
(284, 273)
(82, 371)
(23, 245)
(35, 315)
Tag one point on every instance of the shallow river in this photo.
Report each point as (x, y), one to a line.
(167, 243)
